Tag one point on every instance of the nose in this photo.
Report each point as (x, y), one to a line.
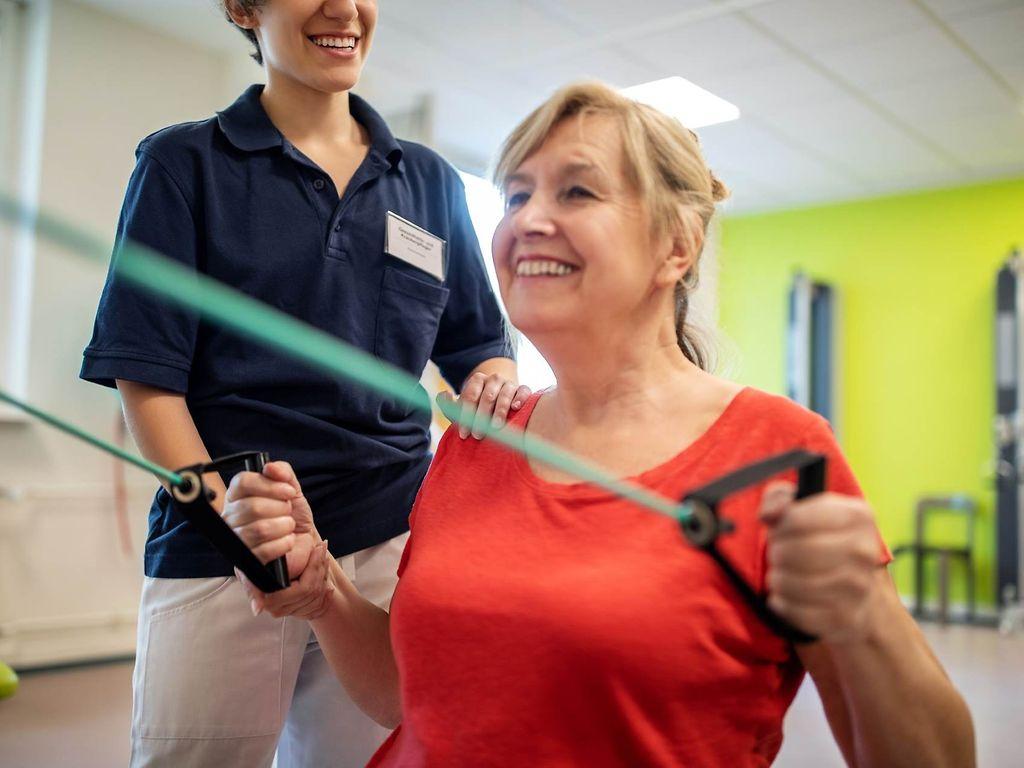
(533, 219)
(341, 10)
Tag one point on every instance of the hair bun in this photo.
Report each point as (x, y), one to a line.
(719, 191)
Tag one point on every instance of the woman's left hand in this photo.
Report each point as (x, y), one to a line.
(487, 398)
(823, 562)
(304, 598)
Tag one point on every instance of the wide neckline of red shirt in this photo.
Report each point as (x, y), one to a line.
(650, 477)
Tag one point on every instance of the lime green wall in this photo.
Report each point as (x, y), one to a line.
(916, 282)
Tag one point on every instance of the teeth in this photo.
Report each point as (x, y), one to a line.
(335, 42)
(539, 267)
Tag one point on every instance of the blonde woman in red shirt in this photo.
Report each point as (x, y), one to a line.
(539, 621)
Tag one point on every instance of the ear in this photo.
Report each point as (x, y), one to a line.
(677, 251)
(240, 16)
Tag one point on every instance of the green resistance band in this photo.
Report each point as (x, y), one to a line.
(246, 316)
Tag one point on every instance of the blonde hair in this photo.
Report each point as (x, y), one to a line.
(663, 161)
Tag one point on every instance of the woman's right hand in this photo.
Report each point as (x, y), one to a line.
(269, 513)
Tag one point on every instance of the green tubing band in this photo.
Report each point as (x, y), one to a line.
(232, 309)
(81, 434)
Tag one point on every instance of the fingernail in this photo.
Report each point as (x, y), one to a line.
(463, 433)
(497, 422)
(516, 404)
(238, 574)
(256, 609)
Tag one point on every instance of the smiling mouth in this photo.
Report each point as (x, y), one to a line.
(544, 268)
(335, 43)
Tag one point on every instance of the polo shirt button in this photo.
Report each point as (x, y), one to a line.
(318, 184)
(338, 228)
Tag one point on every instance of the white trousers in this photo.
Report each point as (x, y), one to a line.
(215, 686)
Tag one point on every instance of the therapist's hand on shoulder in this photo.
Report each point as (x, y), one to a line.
(270, 514)
(824, 571)
(487, 398)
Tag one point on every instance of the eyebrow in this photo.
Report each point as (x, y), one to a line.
(570, 169)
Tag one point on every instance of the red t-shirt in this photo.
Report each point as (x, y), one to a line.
(544, 624)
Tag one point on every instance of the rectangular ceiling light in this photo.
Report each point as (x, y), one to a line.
(690, 104)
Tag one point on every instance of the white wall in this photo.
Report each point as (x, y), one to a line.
(67, 590)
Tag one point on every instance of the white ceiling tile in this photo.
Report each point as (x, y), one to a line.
(938, 99)
(762, 155)
(952, 9)
(981, 140)
(998, 35)
(481, 30)
(886, 61)
(856, 138)
(775, 86)
(698, 51)
(592, 65)
(608, 15)
(814, 25)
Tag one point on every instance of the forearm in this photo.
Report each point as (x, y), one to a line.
(902, 708)
(164, 432)
(354, 635)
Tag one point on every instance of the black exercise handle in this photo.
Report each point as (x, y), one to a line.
(268, 578)
(704, 526)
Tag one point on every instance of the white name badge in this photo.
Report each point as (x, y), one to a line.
(415, 245)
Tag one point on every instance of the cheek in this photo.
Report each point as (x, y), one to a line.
(501, 249)
(367, 19)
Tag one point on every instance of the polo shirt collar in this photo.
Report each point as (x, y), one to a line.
(246, 125)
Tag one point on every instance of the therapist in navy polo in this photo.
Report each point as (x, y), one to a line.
(298, 195)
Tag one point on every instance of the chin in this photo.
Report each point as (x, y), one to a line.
(536, 321)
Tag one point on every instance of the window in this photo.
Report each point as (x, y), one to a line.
(486, 209)
(24, 27)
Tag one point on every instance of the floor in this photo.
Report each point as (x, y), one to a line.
(79, 718)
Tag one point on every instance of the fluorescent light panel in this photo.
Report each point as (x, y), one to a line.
(679, 98)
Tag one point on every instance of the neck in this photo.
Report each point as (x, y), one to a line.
(302, 113)
(608, 380)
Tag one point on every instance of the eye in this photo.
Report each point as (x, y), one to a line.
(578, 192)
(515, 199)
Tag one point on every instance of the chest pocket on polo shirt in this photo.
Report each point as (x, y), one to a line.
(410, 310)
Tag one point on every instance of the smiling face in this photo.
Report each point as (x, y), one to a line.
(321, 44)
(574, 251)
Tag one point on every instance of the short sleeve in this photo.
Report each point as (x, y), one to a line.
(136, 336)
(839, 476)
(472, 328)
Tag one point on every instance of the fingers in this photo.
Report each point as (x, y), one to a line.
(305, 598)
(823, 558)
(246, 484)
(486, 401)
(281, 471)
(820, 513)
(774, 501)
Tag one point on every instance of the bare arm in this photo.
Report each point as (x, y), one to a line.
(354, 635)
(265, 511)
(164, 432)
(888, 700)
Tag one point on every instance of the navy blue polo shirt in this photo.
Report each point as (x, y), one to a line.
(232, 198)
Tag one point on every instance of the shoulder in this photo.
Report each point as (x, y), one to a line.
(423, 161)
(763, 414)
(177, 148)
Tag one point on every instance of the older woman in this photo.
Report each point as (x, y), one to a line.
(540, 621)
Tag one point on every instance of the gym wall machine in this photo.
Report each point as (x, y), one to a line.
(1009, 441)
(810, 350)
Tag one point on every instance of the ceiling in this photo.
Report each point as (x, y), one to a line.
(839, 99)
